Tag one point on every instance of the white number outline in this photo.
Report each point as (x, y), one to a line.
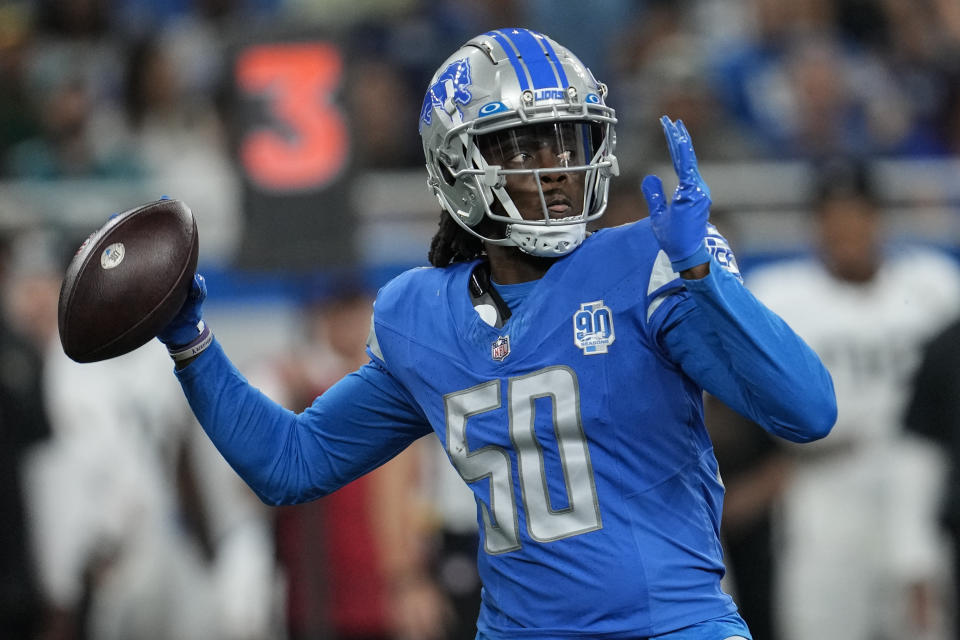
(544, 524)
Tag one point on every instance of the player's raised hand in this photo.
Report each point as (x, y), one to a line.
(681, 224)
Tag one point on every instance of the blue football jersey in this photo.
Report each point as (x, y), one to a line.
(597, 489)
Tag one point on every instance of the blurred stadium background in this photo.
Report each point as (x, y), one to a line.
(290, 127)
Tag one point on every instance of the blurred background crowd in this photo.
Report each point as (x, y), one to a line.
(829, 131)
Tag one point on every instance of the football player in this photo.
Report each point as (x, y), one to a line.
(562, 372)
(866, 303)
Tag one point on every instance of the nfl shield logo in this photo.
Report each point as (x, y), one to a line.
(500, 348)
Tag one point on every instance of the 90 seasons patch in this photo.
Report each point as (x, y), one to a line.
(593, 328)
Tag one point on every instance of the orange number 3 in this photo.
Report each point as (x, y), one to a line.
(305, 145)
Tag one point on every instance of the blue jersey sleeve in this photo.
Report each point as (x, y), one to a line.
(286, 457)
(738, 350)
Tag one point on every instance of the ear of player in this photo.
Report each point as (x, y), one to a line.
(128, 281)
(680, 225)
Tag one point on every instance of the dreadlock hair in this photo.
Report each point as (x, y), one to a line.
(452, 243)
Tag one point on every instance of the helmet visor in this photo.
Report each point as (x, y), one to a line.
(550, 145)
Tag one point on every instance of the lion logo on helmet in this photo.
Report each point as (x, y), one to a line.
(450, 90)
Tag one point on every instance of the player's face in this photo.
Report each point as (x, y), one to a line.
(850, 237)
(547, 147)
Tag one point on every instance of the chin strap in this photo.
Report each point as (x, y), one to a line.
(547, 241)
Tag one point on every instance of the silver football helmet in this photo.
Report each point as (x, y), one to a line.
(512, 107)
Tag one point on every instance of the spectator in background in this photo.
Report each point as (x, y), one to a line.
(950, 117)
(919, 42)
(178, 137)
(74, 19)
(141, 530)
(356, 561)
(755, 471)
(934, 412)
(859, 559)
(580, 22)
(139, 17)
(662, 67)
(33, 285)
(23, 424)
(454, 539)
(68, 145)
(79, 39)
(74, 66)
(807, 93)
(18, 119)
(378, 143)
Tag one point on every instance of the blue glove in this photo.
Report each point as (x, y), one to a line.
(187, 335)
(680, 226)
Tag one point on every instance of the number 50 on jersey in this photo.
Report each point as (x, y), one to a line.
(501, 521)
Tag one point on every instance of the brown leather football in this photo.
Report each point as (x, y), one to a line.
(128, 280)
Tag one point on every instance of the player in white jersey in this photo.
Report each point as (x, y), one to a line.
(109, 519)
(860, 552)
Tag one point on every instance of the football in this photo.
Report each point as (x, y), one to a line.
(127, 281)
